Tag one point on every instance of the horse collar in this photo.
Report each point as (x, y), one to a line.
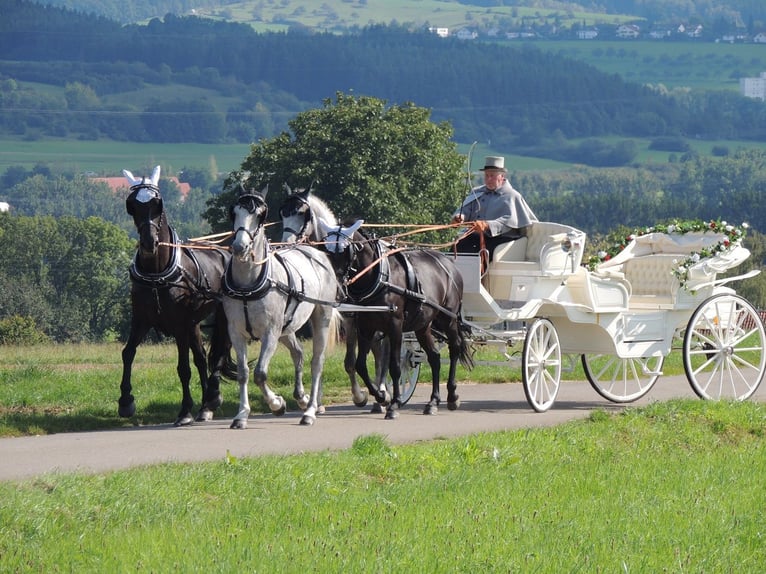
(380, 282)
(256, 290)
(165, 277)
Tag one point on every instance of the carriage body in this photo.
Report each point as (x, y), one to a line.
(621, 318)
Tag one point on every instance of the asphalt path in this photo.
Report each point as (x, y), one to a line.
(484, 407)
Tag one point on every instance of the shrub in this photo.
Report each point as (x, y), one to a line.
(18, 330)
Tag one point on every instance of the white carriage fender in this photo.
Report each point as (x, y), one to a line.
(725, 280)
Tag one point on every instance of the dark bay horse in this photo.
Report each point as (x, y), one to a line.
(173, 289)
(300, 214)
(270, 294)
(423, 290)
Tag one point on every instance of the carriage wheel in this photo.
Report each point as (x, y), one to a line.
(411, 358)
(622, 380)
(541, 365)
(723, 349)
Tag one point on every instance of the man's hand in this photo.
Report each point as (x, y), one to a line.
(480, 226)
(459, 218)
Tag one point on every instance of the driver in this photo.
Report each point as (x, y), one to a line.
(496, 210)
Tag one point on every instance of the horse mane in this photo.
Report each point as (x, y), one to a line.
(320, 209)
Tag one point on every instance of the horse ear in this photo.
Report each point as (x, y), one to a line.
(304, 194)
(288, 189)
(264, 192)
(129, 176)
(156, 176)
(129, 204)
(357, 224)
(324, 227)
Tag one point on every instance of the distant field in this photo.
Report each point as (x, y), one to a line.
(674, 64)
(110, 158)
(336, 14)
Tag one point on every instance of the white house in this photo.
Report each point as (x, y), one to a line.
(753, 87)
(586, 34)
(760, 38)
(466, 34)
(4, 207)
(628, 31)
(441, 32)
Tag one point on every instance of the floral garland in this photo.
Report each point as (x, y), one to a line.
(732, 236)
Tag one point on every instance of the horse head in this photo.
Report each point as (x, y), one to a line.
(296, 216)
(247, 216)
(340, 244)
(144, 205)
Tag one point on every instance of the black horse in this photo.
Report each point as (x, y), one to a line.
(173, 289)
(422, 290)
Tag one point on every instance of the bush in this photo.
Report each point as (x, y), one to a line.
(18, 330)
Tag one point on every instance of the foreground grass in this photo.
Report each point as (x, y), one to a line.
(674, 487)
(66, 388)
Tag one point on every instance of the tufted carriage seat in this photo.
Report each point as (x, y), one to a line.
(542, 253)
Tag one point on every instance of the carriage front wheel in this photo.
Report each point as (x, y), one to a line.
(411, 358)
(541, 365)
(622, 380)
(724, 348)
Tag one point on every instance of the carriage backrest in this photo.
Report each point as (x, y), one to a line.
(545, 244)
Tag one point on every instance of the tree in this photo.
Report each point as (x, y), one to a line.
(386, 164)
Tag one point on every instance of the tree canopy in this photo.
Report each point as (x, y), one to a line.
(365, 158)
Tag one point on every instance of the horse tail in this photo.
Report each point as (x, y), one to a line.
(334, 334)
(465, 355)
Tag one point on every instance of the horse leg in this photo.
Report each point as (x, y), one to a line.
(456, 343)
(220, 345)
(200, 362)
(364, 341)
(394, 371)
(183, 369)
(380, 350)
(426, 340)
(320, 322)
(296, 352)
(126, 405)
(358, 394)
(239, 342)
(276, 403)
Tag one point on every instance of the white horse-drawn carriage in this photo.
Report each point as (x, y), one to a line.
(620, 319)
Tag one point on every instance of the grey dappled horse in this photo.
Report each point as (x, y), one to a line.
(268, 295)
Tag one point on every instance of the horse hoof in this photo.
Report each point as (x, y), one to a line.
(376, 409)
(128, 410)
(213, 404)
(282, 409)
(238, 424)
(204, 415)
(392, 415)
(453, 405)
(307, 420)
(183, 421)
(430, 410)
(361, 403)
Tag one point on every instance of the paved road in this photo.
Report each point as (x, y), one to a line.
(483, 408)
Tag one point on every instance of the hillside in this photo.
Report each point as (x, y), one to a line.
(339, 15)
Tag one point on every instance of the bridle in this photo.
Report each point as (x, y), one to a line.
(288, 210)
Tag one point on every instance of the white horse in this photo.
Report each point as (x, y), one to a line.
(268, 295)
(300, 215)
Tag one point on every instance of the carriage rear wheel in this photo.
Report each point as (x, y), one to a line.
(622, 380)
(723, 348)
(541, 365)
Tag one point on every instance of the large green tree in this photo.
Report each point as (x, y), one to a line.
(366, 159)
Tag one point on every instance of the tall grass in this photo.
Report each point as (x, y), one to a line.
(674, 487)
